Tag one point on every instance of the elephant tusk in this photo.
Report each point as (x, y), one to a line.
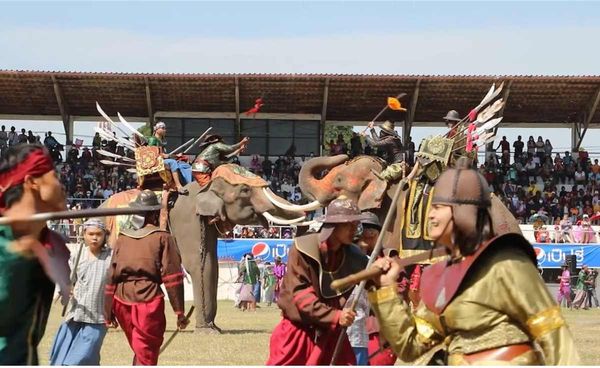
(292, 207)
(306, 223)
(280, 221)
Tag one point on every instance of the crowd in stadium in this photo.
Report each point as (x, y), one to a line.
(536, 184)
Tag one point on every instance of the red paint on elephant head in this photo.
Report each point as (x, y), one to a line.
(353, 179)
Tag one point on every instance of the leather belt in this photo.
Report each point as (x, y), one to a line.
(505, 353)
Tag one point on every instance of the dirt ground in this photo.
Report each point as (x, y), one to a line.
(245, 340)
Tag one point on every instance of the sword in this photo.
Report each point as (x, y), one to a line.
(181, 147)
(166, 344)
(198, 140)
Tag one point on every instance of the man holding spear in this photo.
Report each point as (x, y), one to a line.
(313, 314)
(32, 257)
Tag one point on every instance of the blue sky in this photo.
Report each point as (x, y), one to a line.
(413, 37)
(298, 37)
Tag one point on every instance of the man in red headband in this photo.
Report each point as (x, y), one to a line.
(32, 258)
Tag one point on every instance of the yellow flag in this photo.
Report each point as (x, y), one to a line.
(394, 104)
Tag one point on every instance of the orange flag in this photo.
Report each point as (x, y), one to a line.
(394, 104)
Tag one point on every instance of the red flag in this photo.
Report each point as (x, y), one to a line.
(257, 105)
(472, 115)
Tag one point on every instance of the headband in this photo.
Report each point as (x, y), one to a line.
(36, 164)
(94, 222)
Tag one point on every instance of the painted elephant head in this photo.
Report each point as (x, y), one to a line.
(354, 179)
(236, 196)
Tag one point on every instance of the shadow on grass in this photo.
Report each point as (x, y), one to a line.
(245, 331)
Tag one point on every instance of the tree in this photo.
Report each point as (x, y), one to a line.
(146, 130)
(332, 132)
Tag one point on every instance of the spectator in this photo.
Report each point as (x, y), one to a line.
(249, 273)
(581, 289)
(279, 270)
(504, 150)
(518, 148)
(269, 282)
(97, 141)
(530, 147)
(30, 137)
(3, 140)
(355, 145)
(591, 288)
(22, 137)
(540, 149)
(547, 150)
(13, 137)
(543, 235)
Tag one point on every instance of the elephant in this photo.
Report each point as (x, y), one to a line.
(196, 220)
(357, 179)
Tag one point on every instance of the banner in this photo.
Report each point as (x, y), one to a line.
(553, 255)
(265, 249)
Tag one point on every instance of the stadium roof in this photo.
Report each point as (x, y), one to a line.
(531, 99)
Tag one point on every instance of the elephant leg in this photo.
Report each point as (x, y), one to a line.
(202, 264)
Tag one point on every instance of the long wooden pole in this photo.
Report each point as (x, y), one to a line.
(358, 290)
(61, 215)
(384, 110)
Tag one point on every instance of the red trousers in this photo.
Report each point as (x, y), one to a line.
(294, 344)
(144, 325)
(383, 357)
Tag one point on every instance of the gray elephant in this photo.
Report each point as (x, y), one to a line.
(234, 196)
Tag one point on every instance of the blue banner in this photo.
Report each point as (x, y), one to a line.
(265, 249)
(553, 255)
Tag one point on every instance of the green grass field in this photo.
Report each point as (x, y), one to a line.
(245, 340)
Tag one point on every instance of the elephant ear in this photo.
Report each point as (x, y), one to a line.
(209, 204)
(372, 196)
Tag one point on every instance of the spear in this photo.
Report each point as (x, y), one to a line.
(166, 345)
(387, 106)
(73, 278)
(87, 213)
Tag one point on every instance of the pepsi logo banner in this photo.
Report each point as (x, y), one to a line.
(554, 255)
(267, 250)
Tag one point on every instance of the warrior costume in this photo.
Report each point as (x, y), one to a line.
(176, 166)
(27, 282)
(212, 156)
(311, 310)
(488, 306)
(390, 142)
(142, 260)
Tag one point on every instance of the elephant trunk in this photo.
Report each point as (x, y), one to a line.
(319, 189)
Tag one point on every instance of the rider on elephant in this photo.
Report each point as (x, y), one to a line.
(175, 165)
(214, 153)
(389, 141)
(452, 118)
